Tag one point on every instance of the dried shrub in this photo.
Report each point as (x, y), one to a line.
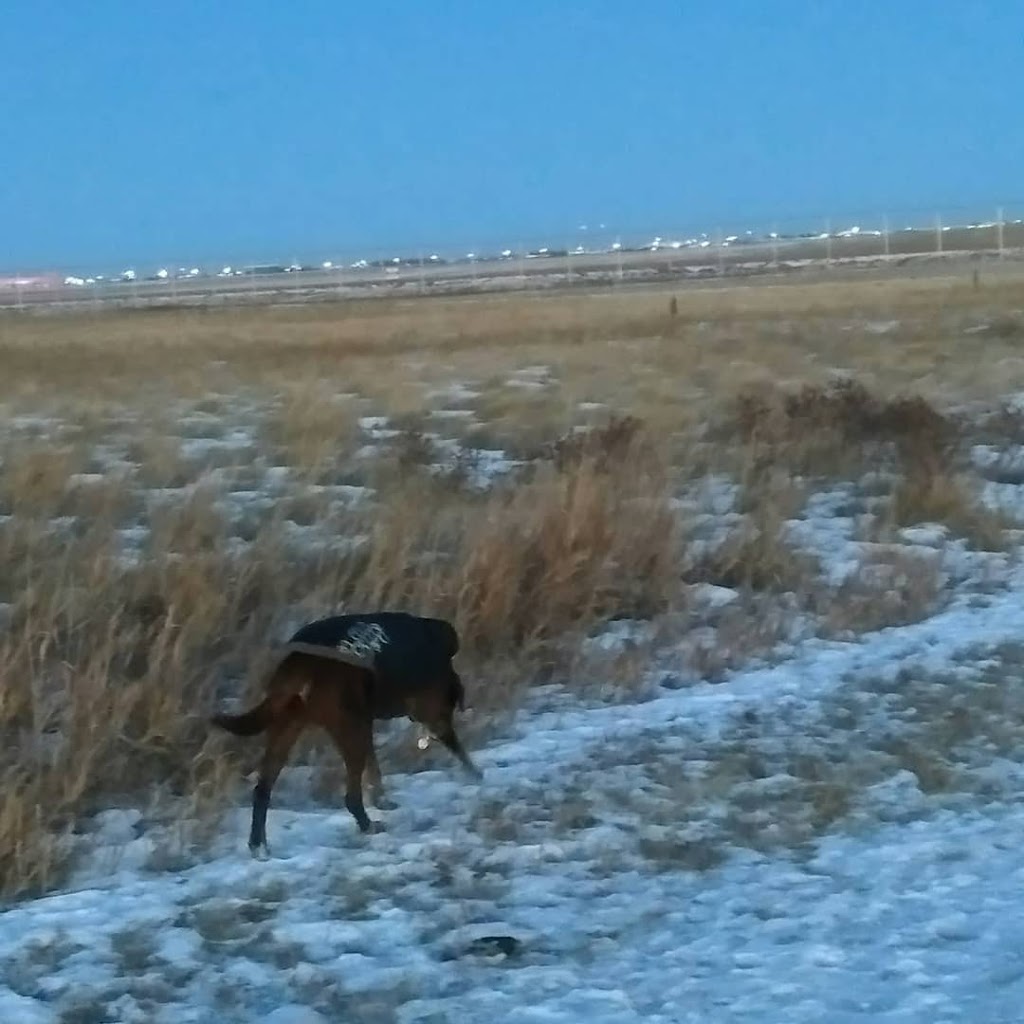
(755, 555)
(602, 446)
(890, 587)
(830, 428)
(412, 449)
(930, 495)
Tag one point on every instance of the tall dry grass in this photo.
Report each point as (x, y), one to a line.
(312, 428)
(109, 669)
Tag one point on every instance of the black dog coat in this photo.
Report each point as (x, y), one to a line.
(401, 649)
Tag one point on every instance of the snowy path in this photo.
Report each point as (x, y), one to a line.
(581, 847)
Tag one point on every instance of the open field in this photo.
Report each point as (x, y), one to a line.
(738, 582)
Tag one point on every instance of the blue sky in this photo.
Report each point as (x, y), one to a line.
(191, 130)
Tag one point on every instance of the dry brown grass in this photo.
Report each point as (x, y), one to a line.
(36, 475)
(755, 556)
(890, 587)
(109, 666)
(842, 427)
(933, 495)
(313, 429)
(721, 337)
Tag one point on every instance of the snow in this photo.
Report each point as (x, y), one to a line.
(909, 913)
(457, 391)
(482, 467)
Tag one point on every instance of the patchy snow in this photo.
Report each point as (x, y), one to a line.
(881, 326)
(347, 494)
(531, 378)
(457, 391)
(86, 479)
(708, 597)
(619, 635)
(376, 427)
(236, 441)
(575, 883)
(481, 467)
(452, 414)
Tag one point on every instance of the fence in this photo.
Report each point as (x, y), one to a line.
(588, 252)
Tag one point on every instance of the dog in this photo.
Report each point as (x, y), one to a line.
(342, 673)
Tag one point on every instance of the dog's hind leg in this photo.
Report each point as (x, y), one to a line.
(354, 740)
(280, 740)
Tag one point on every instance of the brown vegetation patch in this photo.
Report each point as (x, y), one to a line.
(833, 428)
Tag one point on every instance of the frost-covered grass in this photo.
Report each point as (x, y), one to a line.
(726, 616)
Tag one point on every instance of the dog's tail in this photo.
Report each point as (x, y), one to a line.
(288, 694)
(248, 723)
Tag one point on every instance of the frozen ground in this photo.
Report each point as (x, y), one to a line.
(823, 874)
(827, 834)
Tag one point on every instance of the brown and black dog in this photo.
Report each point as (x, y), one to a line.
(342, 673)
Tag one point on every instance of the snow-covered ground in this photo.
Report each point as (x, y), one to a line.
(831, 833)
(626, 876)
